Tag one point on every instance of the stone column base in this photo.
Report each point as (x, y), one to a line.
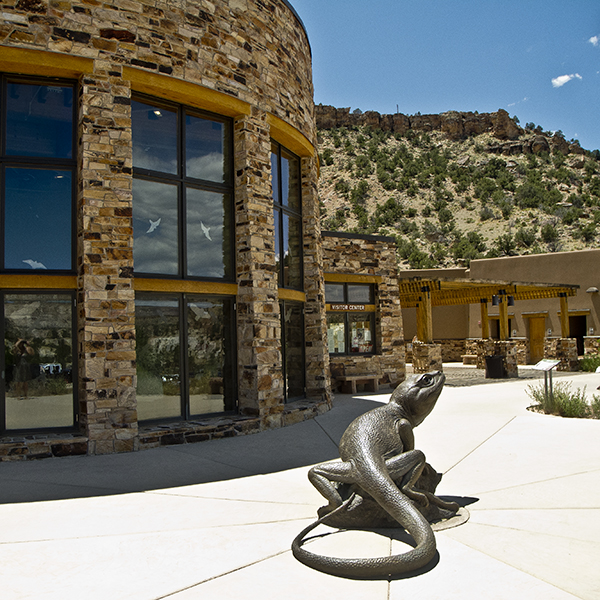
(565, 350)
(506, 349)
(426, 357)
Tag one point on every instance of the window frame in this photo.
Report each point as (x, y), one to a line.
(369, 310)
(74, 355)
(283, 304)
(183, 300)
(38, 163)
(280, 210)
(183, 182)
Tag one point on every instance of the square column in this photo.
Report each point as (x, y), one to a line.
(260, 376)
(106, 325)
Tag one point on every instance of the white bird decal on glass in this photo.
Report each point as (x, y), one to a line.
(34, 264)
(153, 225)
(206, 231)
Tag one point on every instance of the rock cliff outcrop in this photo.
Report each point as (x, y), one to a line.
(456, 125)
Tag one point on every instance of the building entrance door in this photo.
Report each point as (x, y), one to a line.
(537, 334)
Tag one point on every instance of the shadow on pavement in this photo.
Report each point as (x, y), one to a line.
(271, 451)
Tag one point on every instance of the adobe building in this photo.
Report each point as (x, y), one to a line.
(547, 305)
(161, 275)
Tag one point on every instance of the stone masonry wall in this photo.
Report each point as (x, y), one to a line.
(371, 255)
(254, 50)
(254, 57)
(105, 262)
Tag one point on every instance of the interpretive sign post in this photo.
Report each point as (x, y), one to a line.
(546, 365)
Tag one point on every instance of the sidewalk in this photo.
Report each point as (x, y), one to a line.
(215, 520)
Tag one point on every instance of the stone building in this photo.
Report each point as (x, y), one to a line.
(161, 273)
(364, 318)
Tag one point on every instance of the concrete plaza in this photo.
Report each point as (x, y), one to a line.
(215, 520)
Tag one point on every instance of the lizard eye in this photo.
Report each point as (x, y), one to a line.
(427, 380)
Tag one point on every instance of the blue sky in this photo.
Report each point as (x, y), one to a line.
(539, 60)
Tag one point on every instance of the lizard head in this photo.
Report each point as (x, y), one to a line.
(418, 394)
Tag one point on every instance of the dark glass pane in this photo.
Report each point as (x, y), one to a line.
(290, 181)
(209, 234)
(275, 175)
(39, 120)
(158, 357)
(293, 333)
(155, 228)
(292, 251)
(206, 149)
(38, 224)
(336, 333)
(359, 294)
(154, 132)
(362, 332)
(334, 292)
(277, 219)
(210, 345)
(38, 348)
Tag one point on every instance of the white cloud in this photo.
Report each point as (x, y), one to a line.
(595, 40)
(560, 81)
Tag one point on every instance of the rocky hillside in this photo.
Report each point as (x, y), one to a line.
(456, 186)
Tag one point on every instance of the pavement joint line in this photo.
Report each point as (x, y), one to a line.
(481, 444)
(519, 485)
(190, 587)
(316, 420)
(220, 499)
(153, 531)
(515, 567)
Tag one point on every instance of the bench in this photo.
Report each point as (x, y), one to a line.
(348, 382)
(469, 359)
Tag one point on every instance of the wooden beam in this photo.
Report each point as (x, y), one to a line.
(503, 309)
(564, 316)
(485, 320)
(424, 317)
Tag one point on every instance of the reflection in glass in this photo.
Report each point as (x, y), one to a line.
(38, 350)
(336, 333)
(39, 120)
(158, 357)
(293, 335)
(208, 230)
(205, 149)
(154, 133)
(38, 223)
(274, 174)
(334, 292)
(290, 181)
(211, 376)
(359, 294)
(155, 229)
(292, 251)
(361, 333)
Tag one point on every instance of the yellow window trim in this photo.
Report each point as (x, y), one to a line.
(351, 278)
(41, 62)
(178, 286)
(535, 315)
(577, 312)
(38, 282)
(285, 294)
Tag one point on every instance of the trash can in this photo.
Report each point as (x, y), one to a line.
(494, 367)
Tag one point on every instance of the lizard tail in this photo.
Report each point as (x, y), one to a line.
(375, 568)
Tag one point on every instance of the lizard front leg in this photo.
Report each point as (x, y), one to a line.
(405, 469)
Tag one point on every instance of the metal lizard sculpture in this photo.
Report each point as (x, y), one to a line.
(379, 461)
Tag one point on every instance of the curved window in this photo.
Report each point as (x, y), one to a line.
(185, 355)
(182, 192)
(37, 174)
(287, 205)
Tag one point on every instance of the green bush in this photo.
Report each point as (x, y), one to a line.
(590, 362)
(563, 402)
